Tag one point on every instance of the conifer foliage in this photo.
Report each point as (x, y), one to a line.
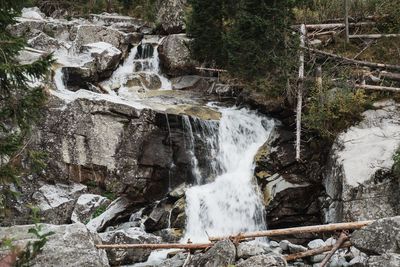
(20, 100)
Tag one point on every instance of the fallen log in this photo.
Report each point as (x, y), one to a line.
(313, 252)
(377, 88)
(156, 246)
(342, 238)
(373, 36)
(329, 26)
(354, 61)
(298, 230)
(210, 69)
(389, 76)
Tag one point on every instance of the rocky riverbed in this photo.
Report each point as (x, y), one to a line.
(132, 131)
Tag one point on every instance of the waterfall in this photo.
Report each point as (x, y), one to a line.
(231, 203)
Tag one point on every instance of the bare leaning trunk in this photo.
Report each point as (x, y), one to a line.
(342, 238)
(313, 252)
(300, 85)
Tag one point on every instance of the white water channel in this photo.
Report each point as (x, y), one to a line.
(231, 203)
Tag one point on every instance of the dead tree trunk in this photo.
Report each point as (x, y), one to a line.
(343, 237)
(298, 230)
(346, 20)
(377, 88)
(353, 61)
(373, 36)
(300, 85)
(313, 252)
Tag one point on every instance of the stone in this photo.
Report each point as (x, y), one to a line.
(176, 261)
(77, 77)
(178, 214)
(270, 260)
(86, 206)
(314, 244)
(150, 81)
(70, 245)
(296, 248)
(56, 202)
(123, 23)
(358, 181)
(223, 253)
(115, 209)
(106, 55)
(178, 192)
(128, 236)
(378, 238)
(157, 219)
(171, 16)
(387, 260)
(284, 245)
(247, 250)
(32, 13)
(44, 42)
(175, 55)
(190, 82)
(87, 34)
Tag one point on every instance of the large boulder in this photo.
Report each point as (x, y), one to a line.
(359, 183)
(56, 202)
(128, 236)
(87, 205)
(247, 250)
(171, 16)
(123, 23)
(190, 82)
(223, 253)
(44, 42)
(381, 237)
(175, 55)
(70, 245)
(387, 260)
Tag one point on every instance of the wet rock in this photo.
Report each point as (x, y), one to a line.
(107, 57)
(178, 192)
(223, 253)
(178, 214)
(28, 56)
(387, 260)
(77, 77)
(359, 183)
(150, 81)
(284, 245)
(246, 250)
(190, 82)
(157, 219)
(87, 205)
(171, 16)
(271, 260)
(56, 202)
(128, 236)
(175, 55)
(118, 207)
(378, 238)
(296, 248)
(70, 245)
(170, 235)
(176, 261)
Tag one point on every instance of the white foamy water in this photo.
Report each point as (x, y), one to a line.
(231, 204)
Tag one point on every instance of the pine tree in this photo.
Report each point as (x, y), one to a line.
(259, 41)
(205, 26)
(20, 100)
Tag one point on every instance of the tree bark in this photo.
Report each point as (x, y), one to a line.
(156, 246)
(377, 88)
(346, 20)
(299, 230)
(313, 252)
(300, 85)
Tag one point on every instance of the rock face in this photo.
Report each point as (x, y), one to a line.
(171, 15)
(70, 245)
(378, 238)
(120, 148)
(290, 189)
(128, 236)
(175, 55)
(222, 253)
(56, 202)
(359, 183)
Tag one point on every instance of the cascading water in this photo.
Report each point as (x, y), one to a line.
(230, 204)
(142, 59)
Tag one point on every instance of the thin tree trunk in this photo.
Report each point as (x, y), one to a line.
(373, 36)
(313, 252)
(330, 26)
(300, 85)
(389, 76)
(156, 246)
(299, 230)
(377, 88)
(346, 20)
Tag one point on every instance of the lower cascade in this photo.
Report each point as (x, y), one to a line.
(231, 203)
